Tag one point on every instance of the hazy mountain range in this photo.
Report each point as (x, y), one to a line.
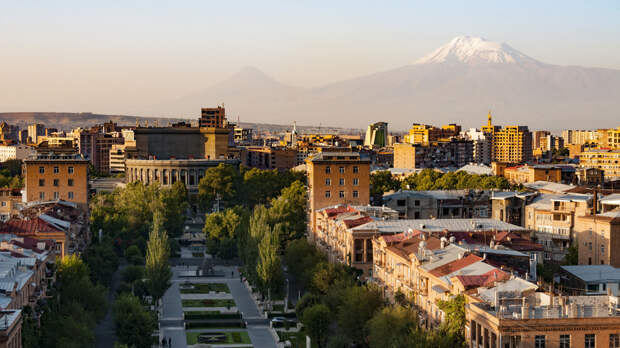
(459, 82)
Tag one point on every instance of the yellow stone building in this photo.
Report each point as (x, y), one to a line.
(511, 144)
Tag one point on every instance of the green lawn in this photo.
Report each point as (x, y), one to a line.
(208, 303)
(239, 337)
(278, 308)
(206, 288)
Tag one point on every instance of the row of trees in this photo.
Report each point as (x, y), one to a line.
(429, 179)
(71, 314)
(243, 186)
(259, 237)
(135, 222)
(10, 175)
(338, 311)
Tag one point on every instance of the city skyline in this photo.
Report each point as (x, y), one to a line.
(120, 59)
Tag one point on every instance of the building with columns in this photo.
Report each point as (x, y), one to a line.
(167, 172)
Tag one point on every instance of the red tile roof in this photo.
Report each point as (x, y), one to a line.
(455, 265)
(399, 237)
(357, 222)
(27, 227)
(487, 279)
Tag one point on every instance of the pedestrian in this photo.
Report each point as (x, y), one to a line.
(169, 342)
(163, 341)
(232, 274)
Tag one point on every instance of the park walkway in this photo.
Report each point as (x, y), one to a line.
(105, 332)
(171, 321)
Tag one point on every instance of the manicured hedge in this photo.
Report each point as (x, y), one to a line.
(210, 315)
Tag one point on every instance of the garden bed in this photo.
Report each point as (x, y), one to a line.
(195, 288)
(199, 315)
(234, 324)
(208, 303)
(230, 337)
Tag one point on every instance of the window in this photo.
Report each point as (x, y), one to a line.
(356, 169)
(3, 203)
(56, 195)
(328, 194)
(56, 171)
(41, 195)
(41, 182)
(564, 341)
(70, 195)
(356, 182)
(70, 182)
(341, 169)
(590, 341)
(328, 170)
(70, 170)
(416, 203)
(539, 342)
(328, 182)
(41, 170)
(401, 202)
(614, 341)
(55, 182)
(341, 181)
(356, 194)
(341, 194)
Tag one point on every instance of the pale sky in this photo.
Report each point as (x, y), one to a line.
(117, 56)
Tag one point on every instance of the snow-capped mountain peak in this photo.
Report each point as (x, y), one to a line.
(469, 49)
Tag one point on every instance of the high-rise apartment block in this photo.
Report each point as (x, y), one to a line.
(337, 178)
(483, 145)
(604, 159)
(609, 138)
(580, 137)
(423, 134)
(376, 135)
(453, 153)
(35, 130)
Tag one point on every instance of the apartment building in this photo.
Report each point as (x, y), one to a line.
(17, 151)
(212, 117)
(580, 137)
(10, 203)
(510, 206)
(598, 238)
(376, 135)
(267, 157)
(604, 159)
(527, 174)
(423, 133)
(609, 138)
(441, 204)
(453, 153)
(56, 177)
(337, 237)
(483, 145)
(503, 310)
(337, 178)
(552, 217)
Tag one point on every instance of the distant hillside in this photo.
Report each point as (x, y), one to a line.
(70, 120)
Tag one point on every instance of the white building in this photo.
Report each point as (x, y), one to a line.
(482, 145)
(20, 151)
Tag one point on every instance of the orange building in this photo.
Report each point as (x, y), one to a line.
(55, 177)
(526, 174)
(598, 238)
(337, 178)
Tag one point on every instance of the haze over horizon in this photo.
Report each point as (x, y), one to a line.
(112, 58)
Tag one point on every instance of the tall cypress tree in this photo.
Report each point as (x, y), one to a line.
(157, 253)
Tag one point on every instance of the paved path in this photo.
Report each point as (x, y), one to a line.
(171, 323)
(171, 320)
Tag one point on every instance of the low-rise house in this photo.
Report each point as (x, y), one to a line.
(552, 217)
(509, 206)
